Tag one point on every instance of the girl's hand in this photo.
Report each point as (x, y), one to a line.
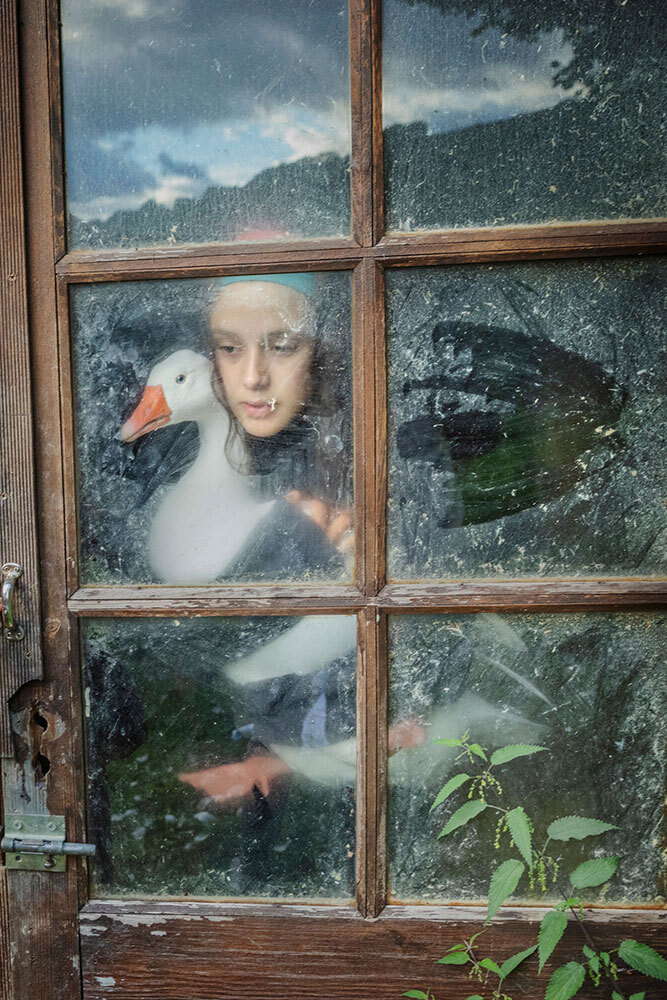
(231, 782)
(335, 522)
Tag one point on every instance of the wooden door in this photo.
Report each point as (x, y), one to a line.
(499, 412)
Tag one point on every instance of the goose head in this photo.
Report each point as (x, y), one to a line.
(178, 389)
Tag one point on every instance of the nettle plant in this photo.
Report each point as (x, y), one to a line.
(540, 865)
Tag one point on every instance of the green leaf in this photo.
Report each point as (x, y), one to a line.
(520, 830)
(449, 742)
(503, 883)
(593, 872)
(510, 964)
(488, 963)
(454, 958)
(643, 958)
(477, 749)
(637, 996)
(615, 995)
(456, 947)
(551, 931)
(451, 786)
(416, 994)
(463, 816)
(577, 827)
(565, 982)
(504, 754)
(474, 996)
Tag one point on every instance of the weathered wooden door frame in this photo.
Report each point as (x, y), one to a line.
(323, 948)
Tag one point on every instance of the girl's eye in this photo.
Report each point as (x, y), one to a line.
(285, 348)
(226, 348)
(180, 379)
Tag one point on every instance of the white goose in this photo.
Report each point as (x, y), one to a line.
(204, 520)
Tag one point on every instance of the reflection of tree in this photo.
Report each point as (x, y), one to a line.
(612, 43)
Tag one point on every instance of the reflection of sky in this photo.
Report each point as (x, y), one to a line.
(165, 98)
(436, 71)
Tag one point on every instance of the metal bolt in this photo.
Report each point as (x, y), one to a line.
(50, 826)
(50, 861)
(18, 825)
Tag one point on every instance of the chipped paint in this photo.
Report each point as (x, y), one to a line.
(106, 980)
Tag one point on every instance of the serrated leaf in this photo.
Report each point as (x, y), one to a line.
(463, 816)
(456, 947)
(503, 883)
(416, 994)
(643, 958)
(520, 829)
(615, 995)
(449, 742)
(477, 749)
(451, 786)
(552, 928)
(637, 996)
(488, 963)
(577, 828)
(510, 964)
(454, 958)
(565, 982)
(594, 963)
(588, 952)
(593, 872)
(504, 754)
(474, 996)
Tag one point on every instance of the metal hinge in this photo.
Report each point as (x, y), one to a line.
(37, 843)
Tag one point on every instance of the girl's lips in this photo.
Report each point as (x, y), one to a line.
(257, 410)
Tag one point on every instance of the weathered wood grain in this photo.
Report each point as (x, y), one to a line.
(218, 952)
(20, 662)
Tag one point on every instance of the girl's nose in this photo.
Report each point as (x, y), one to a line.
(256, 371)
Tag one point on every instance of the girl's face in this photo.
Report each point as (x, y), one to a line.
(263, 342)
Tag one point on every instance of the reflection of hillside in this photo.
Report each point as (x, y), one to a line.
(308, 198)
(583, 159)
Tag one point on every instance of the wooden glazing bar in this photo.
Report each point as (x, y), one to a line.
(458, 246)
(376, 136)
(372, 763)
(154, 601)
(361, 176)
(362, 368)
(378, 525)
(522, 595)
(197, 261)
(68, 437)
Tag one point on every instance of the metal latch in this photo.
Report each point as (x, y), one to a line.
(37, 843)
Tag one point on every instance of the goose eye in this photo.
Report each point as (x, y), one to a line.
(179, 379)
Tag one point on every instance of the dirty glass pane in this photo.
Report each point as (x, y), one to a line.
(497, 114)
(199, 121)
(528, 419)
(213, 429)
(590, 688)
(221, 756)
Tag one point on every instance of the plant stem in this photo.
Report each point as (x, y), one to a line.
(591, 944)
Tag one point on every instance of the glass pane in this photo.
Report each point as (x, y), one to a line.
(221, 756)
(498, 114)
(199, 121)
(527, 420)
(214, 429)
(590, 688)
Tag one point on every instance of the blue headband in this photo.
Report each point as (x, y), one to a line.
(303, 282)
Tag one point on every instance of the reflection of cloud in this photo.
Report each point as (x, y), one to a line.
(474, 103)
(305, 133)
(180, 169)
(165, 193)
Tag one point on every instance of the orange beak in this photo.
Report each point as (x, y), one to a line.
(151, 413)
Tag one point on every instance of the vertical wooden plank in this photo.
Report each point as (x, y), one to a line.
(6, 987)
(377, 144)
(44, 906)
(372, 763)
(379, 473)
(361, 96)
(19, 661)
